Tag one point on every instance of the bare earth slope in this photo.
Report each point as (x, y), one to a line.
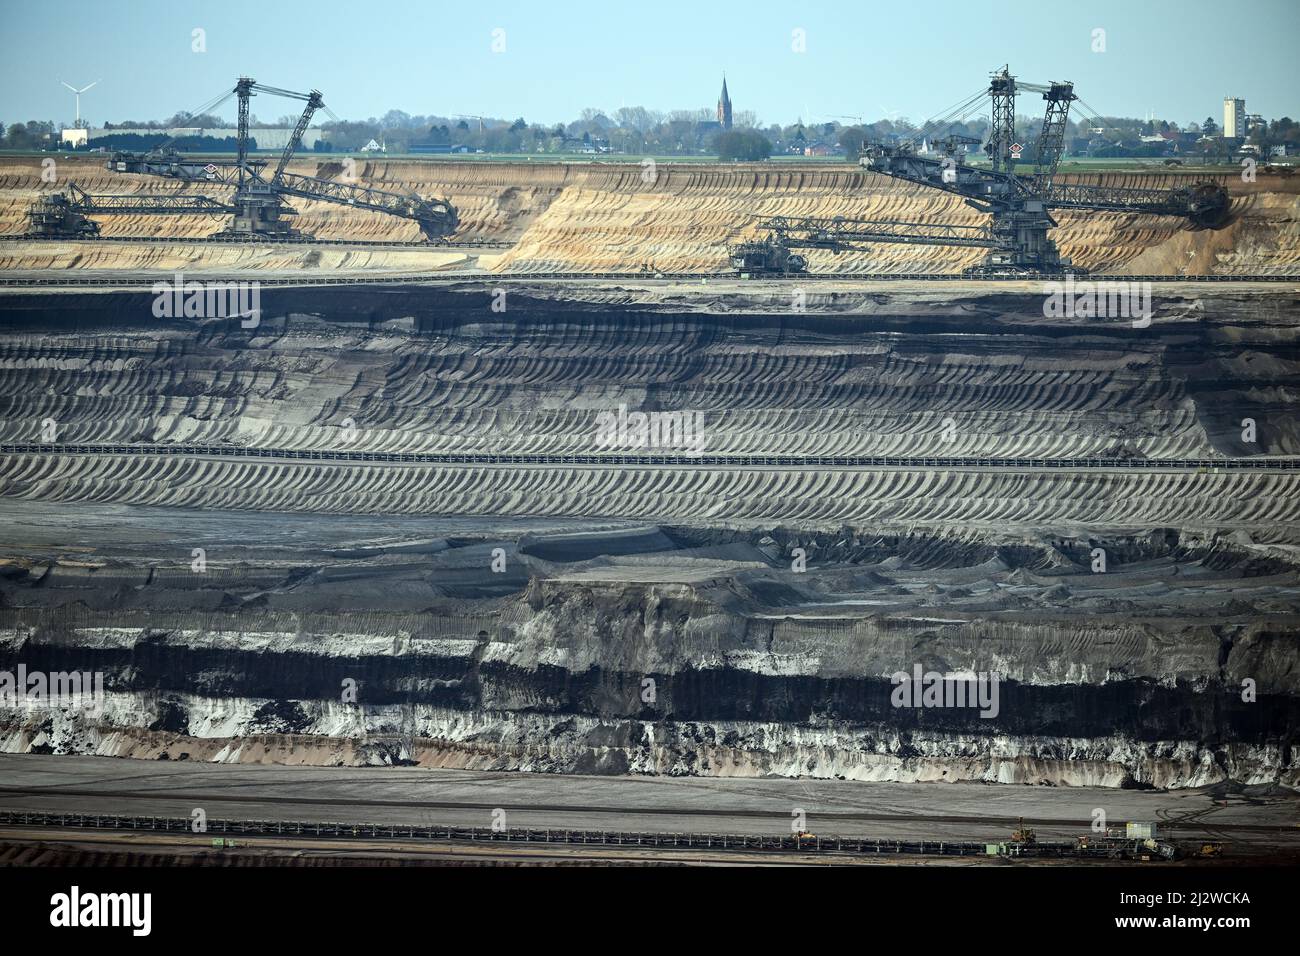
(615, 217)
(661, 618)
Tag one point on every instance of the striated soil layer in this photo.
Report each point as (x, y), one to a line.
(679, 218)
(667, 617)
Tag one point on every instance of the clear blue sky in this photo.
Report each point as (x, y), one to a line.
(863, 57)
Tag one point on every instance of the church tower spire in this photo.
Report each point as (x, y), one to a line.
(724, 106)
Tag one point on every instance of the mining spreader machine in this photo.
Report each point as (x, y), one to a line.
(257, 209)
(1018, 205)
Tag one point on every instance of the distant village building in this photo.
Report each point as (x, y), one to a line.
(1234, 117)
(724, 107)
(438, 148)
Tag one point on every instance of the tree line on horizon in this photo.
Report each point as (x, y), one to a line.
(637, 130)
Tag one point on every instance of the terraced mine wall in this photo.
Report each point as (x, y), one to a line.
(657, 619)
(615, 218)
(438, 370)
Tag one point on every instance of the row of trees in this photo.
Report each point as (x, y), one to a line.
(31, 135)
(1279, 132)
(143, 142)
(638, 131)
(202, 121)
(630, 130)
(743, 144)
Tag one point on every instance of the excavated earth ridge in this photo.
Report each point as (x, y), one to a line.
(1128, 678)
(615, 218)
(673, 619)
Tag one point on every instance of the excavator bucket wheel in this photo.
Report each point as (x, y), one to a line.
(1208, 205)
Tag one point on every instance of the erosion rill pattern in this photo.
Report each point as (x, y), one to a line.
(658, 619)
(493, 201)
(615, 217)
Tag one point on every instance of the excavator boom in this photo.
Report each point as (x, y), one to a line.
(314, 102)
(1019, 205)
(258, 203)
(437, 218)
(67, 214)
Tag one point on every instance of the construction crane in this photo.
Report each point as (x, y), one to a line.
(1018, 205)
(257, 208)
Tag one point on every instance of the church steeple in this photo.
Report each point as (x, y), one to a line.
(724, 106)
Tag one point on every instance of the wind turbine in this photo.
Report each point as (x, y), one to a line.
(78, 92)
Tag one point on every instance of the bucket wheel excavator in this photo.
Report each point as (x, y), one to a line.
(1018, 205)
(257, 209)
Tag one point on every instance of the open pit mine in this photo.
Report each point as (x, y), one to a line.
(563, 495)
